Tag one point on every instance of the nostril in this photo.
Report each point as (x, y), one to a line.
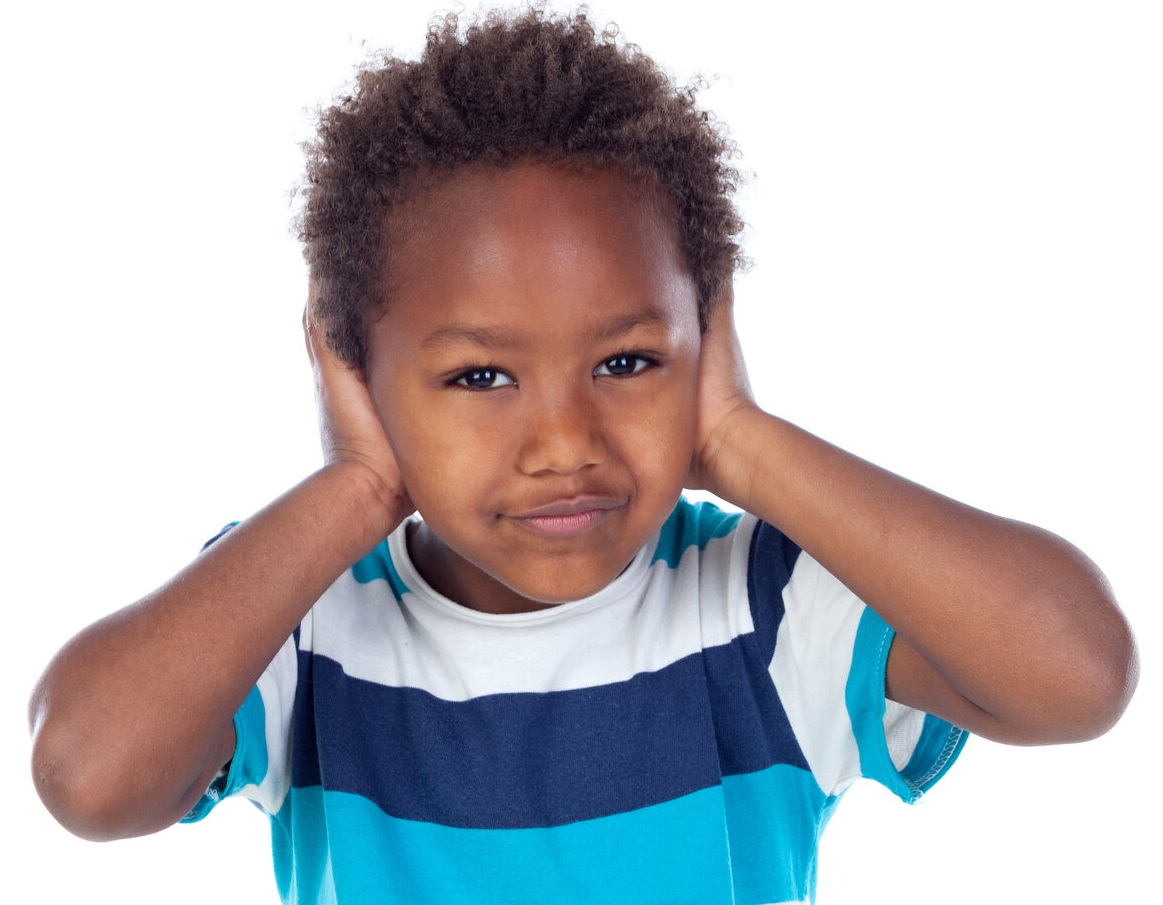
(562, 441)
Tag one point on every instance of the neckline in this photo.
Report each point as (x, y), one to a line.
(421, 591)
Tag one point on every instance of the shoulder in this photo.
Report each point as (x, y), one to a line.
(693, 525)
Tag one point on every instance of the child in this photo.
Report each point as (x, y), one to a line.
(559, 681)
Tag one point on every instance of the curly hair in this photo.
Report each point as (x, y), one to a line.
(503, 88)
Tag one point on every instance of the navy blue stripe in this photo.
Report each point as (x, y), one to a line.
(751, 726)
(508, 760)
(750, 721)
(536, 760)
(217, 537)
(770, 562)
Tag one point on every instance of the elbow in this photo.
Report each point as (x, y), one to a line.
(1104, 683)
(1104, 668)
(1093, 677)
(93, 786)
(1070, 667)
(74, 786)
(71, 770)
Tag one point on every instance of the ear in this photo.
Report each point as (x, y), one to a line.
(721, 304)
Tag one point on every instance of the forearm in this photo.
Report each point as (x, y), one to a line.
(134, 714)
(1015, 632)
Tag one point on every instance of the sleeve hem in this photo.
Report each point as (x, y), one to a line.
(230, 779)
(939, 743)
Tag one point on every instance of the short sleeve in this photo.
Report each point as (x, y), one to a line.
(903, 749)
(260, 767)
(828, 667)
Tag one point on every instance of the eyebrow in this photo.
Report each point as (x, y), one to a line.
(489, 337)
(651, 316)
(502, 337)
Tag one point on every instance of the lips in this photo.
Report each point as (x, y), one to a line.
(568, 517)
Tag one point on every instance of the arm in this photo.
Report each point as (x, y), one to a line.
(128, 725)
(1002, 628)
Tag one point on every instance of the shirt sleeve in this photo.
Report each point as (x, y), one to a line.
(828, 667)
(260, 767)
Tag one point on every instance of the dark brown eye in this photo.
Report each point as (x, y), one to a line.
(483, 379)
(622, 365)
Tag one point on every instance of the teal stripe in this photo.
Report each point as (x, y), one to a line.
(692, 524)
(249, 764)
(378, 566)
(939, 744)
(775, 820)
(672, 852)
(764, 827)
(938, 747)
(306, 875)
(864, 696)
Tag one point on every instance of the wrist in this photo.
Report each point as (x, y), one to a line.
(364, 507)
(729, 460)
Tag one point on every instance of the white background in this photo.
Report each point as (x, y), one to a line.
(956, 214)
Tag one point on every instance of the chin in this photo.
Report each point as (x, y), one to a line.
(558, 589)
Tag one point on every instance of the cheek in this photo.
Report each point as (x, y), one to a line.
(681, 399)
(443, 458)
(664, 431)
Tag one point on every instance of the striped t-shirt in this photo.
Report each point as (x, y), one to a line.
(681, 736)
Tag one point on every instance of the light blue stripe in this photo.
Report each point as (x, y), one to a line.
(378, 565)
(939, 744)
(938, 747)
(864, 696)
(775, 819)
(305, 875)
(249, 764)
(763, 826)
(673, 852)
(692, 524)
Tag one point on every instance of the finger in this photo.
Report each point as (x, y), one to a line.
(314, 330)
(307, 331)
(722, 350)
(323, 359)
(722, 309)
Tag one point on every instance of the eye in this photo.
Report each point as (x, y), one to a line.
(623, 365)
(482, 379)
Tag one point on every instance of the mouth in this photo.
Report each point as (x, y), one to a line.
(569, 517)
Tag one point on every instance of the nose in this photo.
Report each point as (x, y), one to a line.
(561, 436)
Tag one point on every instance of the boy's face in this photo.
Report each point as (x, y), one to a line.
(536, 372)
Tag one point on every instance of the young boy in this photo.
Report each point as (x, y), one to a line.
(488, 652)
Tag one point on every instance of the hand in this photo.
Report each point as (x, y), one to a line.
(724, 392)
(349, 426)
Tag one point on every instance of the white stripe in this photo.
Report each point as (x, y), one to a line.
(813, 656)
(455, 653)
(277, 688)
(813, 659)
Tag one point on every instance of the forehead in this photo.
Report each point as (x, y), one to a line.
(563, 241)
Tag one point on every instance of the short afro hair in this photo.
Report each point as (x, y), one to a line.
(503, 88)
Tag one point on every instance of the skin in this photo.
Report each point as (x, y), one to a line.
(538, 388)
(550, 377)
